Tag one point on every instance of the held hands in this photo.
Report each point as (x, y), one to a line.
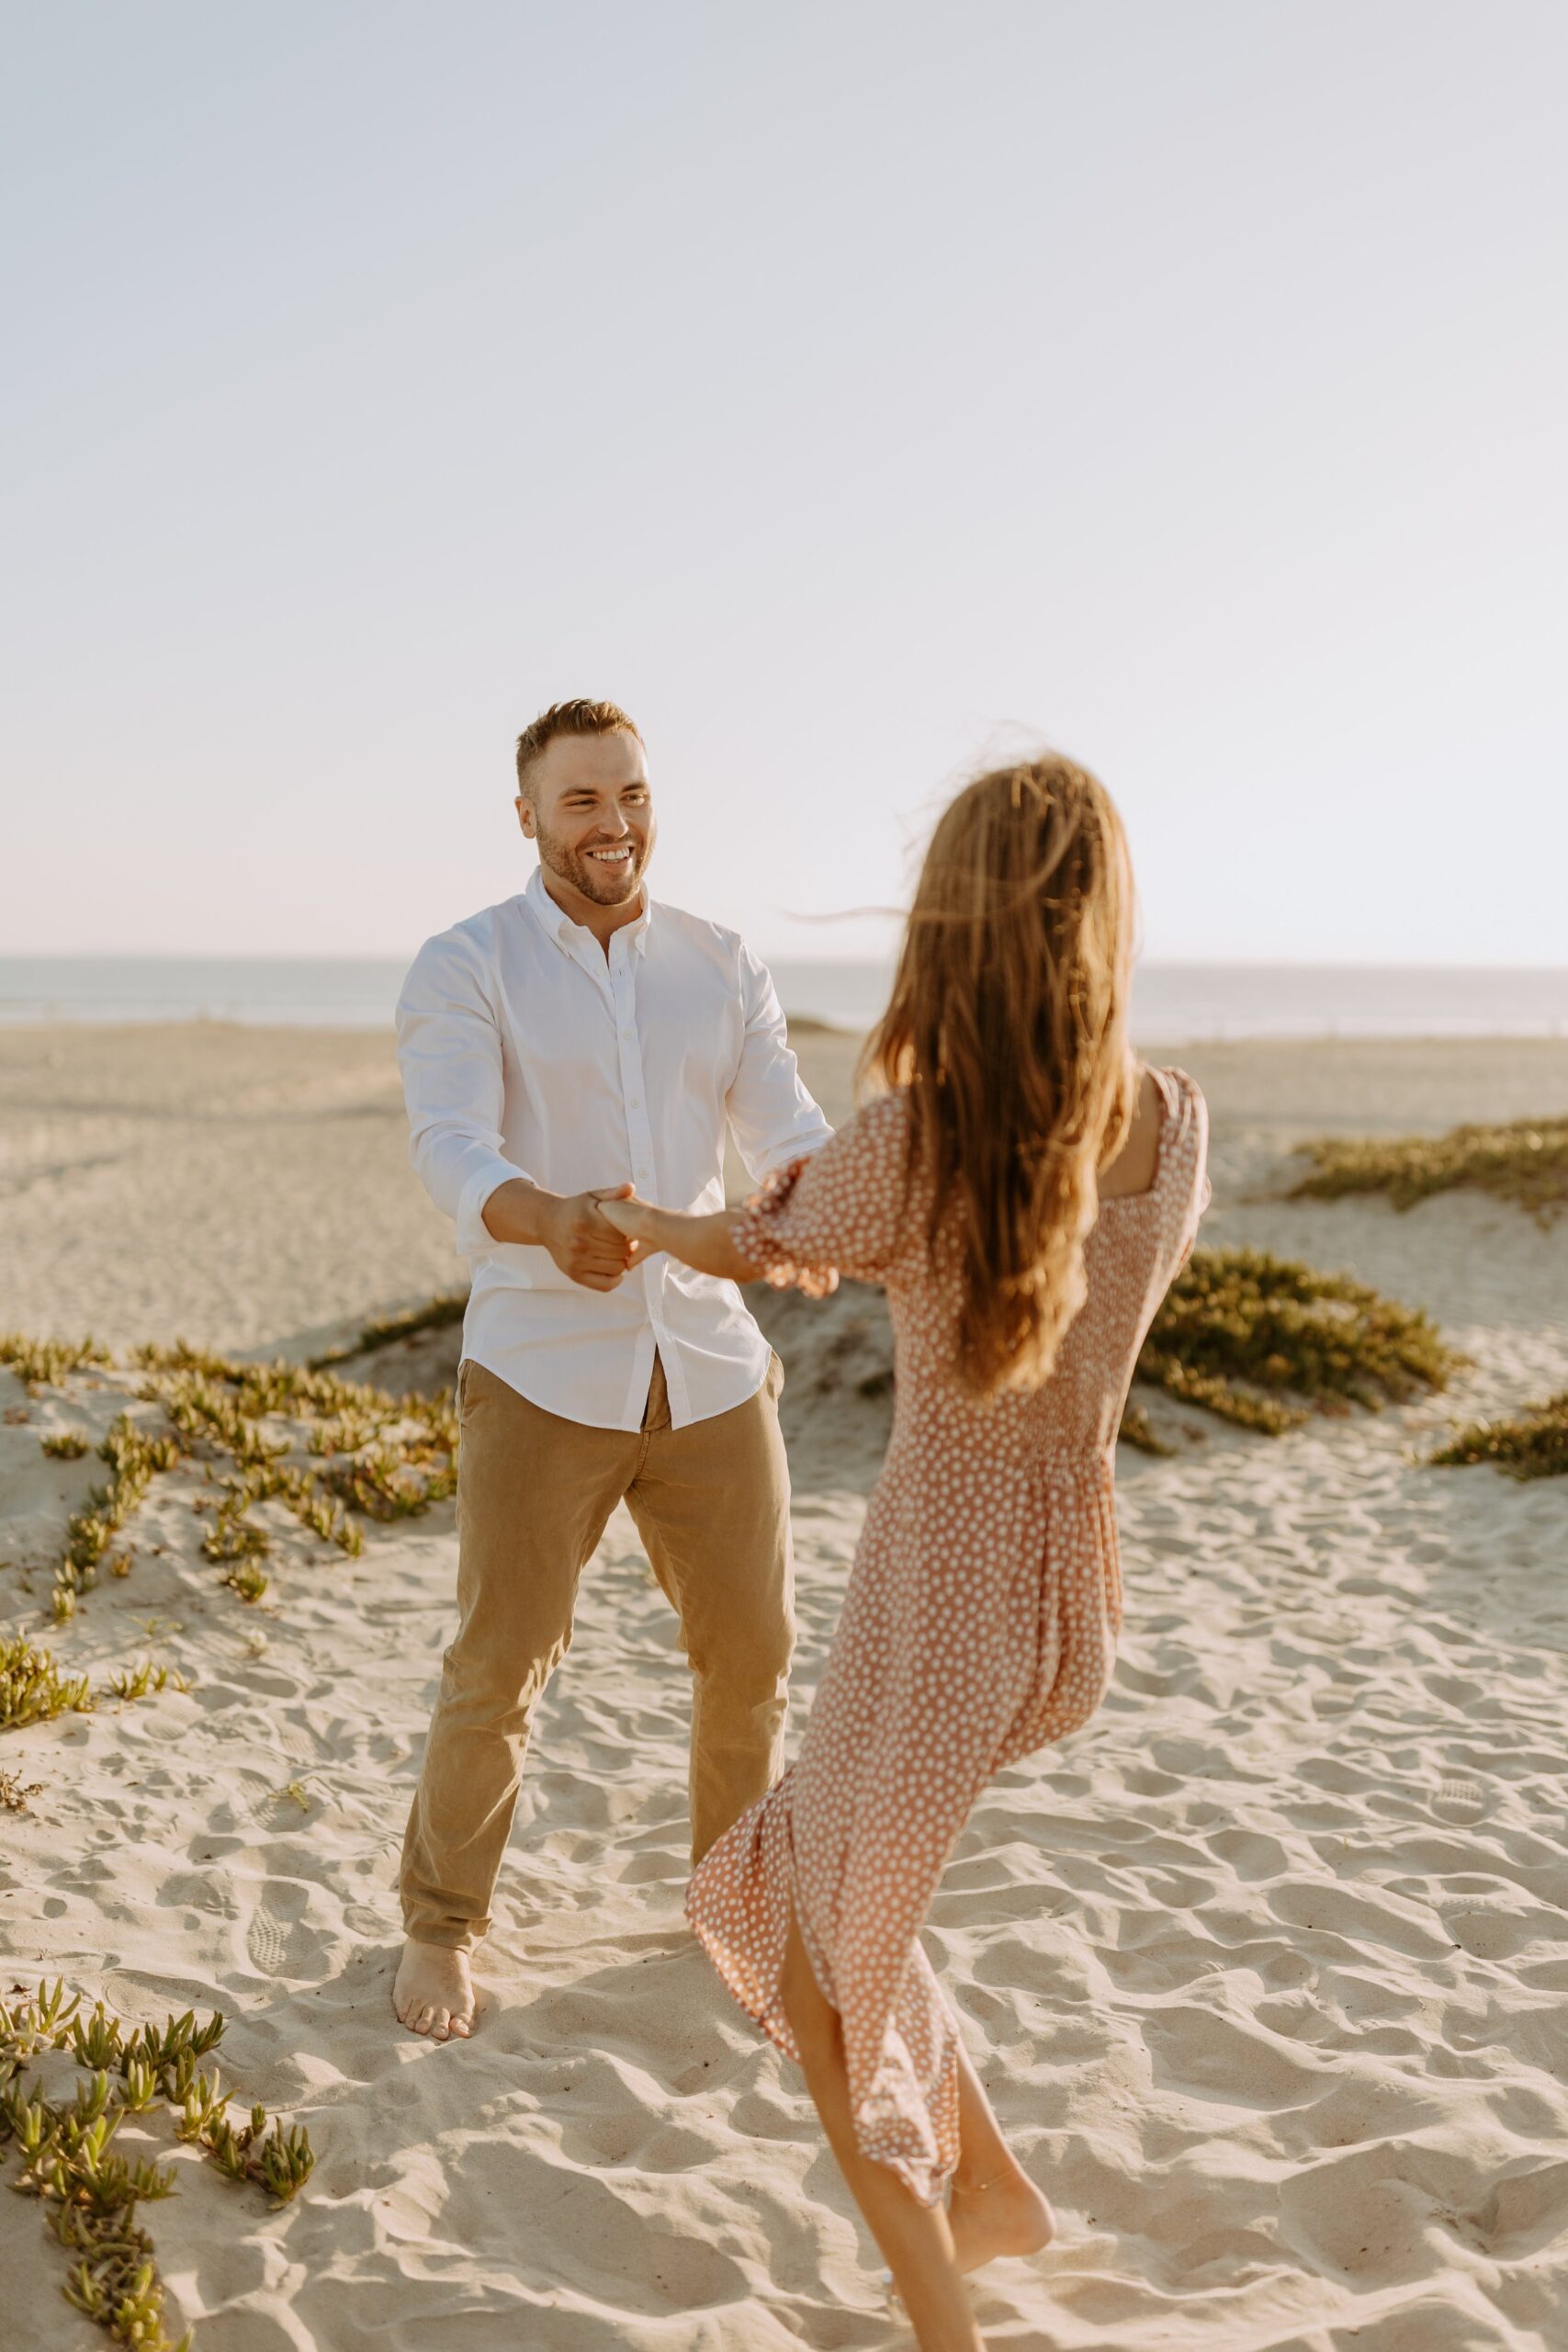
(629, 1217)
(583, 1241)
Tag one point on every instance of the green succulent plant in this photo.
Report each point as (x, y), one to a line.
(91, 2193)
(1524, 1160)
(33, 1690)
(43, 1363)
(1529, 1444)
(1261, 1340)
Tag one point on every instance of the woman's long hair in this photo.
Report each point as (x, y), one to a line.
(1008, 1024)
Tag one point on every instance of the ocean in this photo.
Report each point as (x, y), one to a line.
(1171, 1002)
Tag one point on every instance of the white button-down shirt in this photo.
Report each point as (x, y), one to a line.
(526, 1051)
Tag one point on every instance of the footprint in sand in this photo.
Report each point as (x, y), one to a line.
(1460, 1800)
(279, 1946)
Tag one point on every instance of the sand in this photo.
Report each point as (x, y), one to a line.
(1267, 1969)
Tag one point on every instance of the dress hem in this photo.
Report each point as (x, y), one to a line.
(775, 2025)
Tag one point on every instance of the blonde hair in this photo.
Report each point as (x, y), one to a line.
(579, 717)
(1008, 1024)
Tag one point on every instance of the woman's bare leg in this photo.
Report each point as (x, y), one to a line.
(915, 2239)
(995, 2208)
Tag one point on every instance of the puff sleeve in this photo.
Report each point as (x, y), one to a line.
(840, 1211)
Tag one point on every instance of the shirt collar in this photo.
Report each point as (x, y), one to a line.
(569, 934)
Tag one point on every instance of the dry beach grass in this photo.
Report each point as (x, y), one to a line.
(1268, 1969)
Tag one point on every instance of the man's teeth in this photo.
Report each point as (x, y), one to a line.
(610, 856)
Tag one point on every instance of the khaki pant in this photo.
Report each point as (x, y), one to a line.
(711, 1503)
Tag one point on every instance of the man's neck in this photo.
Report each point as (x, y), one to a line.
(603, 922)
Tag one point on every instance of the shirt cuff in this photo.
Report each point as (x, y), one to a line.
(799, 1149)
(474, 1237)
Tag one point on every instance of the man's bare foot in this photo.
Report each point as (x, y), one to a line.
(435, 1992)
(1008, 2215)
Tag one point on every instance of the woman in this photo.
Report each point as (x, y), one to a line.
(1024, 1193)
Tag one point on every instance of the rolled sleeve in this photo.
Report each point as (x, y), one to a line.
(774, 1120)
(474, 1236)
(450, 1060)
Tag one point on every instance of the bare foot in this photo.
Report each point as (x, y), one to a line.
(1005, 2216)
(435, 1992)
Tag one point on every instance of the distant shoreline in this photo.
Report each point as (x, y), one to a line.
(801, 1026)
(1207, 1001)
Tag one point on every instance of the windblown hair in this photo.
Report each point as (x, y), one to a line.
(1008, 1024)
(578, 717)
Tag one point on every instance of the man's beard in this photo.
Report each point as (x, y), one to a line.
(607, 886)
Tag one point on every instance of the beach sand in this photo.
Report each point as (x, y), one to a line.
(1267, 1969)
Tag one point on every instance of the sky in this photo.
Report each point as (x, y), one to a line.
(853, 390)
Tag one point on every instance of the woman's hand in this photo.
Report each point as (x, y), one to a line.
(704, 1242)
(630, 1217)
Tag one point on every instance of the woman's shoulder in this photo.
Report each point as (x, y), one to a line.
(1184, 1139)
(1182, 1097)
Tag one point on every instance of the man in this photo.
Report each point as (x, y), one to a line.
(578, 1043)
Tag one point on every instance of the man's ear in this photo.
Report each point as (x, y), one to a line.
(524, 809)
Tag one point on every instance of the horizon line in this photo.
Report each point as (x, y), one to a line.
(394, 956)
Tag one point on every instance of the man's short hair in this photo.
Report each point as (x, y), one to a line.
(580, 718)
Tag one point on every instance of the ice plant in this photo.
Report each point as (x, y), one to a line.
(1519, 1160)
(91, 2192)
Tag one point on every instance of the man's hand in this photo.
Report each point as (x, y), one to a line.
(706, 1242)
(584, 1244)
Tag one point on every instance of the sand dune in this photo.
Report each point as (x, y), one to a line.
(1267, 1969)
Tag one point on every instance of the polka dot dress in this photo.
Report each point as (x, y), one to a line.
(981, 1620)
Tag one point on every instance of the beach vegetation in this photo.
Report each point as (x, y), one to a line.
(33, 1690)
(1138, 1430)
(249, 1581)
(90, 2191)
(65, 1446)
(134, 1458)
(43, 1363)
(367, 1454)
(433, 1315)
(15, 1792)
(1525, 1160)
(1262, 1342)
(1528, 1445)
(135, 1681)
(330, 1452)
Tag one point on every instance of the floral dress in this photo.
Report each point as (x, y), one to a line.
(981, 1620)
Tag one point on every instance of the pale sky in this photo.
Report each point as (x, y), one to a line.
(835, 383)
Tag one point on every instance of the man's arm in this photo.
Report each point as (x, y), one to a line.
(773, 1119)
(449, 1055)
(570, 1225)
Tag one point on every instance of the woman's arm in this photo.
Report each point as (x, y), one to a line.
(705, 1243)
